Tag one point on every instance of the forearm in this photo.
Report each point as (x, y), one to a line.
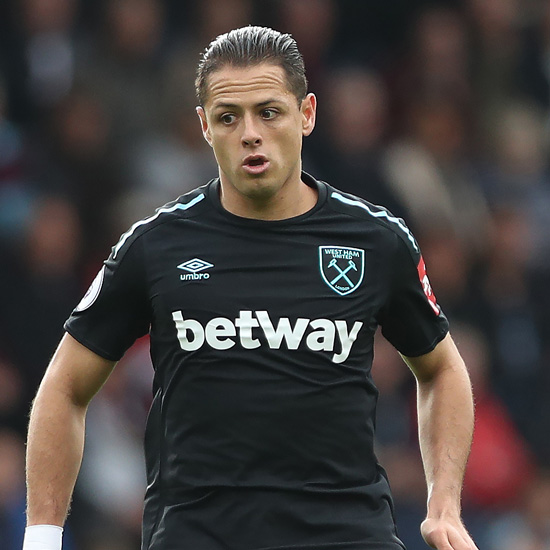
(445, 418)
(445, 423)
(54, 454)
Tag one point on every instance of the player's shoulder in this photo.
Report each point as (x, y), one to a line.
(365, 212)
(360, 208)
(185, 206)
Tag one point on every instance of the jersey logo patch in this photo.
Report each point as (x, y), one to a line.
(93, 292)
(427, 287)
(342, 268)
(193, 267)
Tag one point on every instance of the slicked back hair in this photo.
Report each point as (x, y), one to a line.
(249, 46)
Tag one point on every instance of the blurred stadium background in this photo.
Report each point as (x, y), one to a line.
(438, 110)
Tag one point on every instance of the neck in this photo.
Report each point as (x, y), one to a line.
(291, 200)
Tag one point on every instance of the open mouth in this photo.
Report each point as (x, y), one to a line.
(255, 160)
(255, 164)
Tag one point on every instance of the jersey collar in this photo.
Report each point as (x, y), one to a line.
(214, 197)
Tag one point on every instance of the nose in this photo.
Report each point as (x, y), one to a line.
(251, 135)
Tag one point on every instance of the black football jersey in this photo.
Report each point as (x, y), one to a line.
(261, 431)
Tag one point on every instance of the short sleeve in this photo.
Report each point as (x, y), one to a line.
(115, 311)
(411, 319)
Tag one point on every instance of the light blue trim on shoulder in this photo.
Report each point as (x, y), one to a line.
(379, 214)
(145, 221)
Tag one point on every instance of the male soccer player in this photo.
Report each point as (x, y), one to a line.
(261, 292)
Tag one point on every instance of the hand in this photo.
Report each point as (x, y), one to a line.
(446, 534)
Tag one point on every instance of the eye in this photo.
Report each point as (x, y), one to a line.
(268, 114)
(227, 118)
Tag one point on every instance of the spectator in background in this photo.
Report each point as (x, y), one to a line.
(75, 156)
(435, 64)
(15, 193)
(515, 298)
(13, 402)
(313, 24)
(39, 288)
(163, 166)
(513, 320)
(166, 163)
(497, 41)
(428, 161)
(534, 77)
(430, 171)
(12, 489)
(355, 131)
(49, 52)
(214, 17)
(124, 67)
(528, 526)
(517, 172)
(501, 464)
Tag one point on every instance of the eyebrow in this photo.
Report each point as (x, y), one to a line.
(234, 105)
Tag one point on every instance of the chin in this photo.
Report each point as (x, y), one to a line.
(261, 191)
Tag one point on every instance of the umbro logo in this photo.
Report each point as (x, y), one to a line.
(193, 267)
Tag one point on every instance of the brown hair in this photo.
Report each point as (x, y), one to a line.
(251, 46)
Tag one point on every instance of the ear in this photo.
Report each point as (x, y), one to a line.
(204, 125)
(308, 110)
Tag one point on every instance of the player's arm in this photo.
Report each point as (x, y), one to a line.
(56, 430)
(445, 418)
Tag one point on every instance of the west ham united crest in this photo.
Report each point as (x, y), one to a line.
(342, 267)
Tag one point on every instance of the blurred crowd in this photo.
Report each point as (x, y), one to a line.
(438, 110)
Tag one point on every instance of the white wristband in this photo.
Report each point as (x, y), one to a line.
(43, 537)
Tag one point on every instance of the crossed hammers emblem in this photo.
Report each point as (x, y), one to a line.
(342, 272)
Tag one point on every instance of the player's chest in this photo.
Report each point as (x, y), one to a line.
(311, 273)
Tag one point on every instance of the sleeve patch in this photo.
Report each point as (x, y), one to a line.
(426, 286)
(93, 292)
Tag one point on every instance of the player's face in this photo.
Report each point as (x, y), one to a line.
(255, 126)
